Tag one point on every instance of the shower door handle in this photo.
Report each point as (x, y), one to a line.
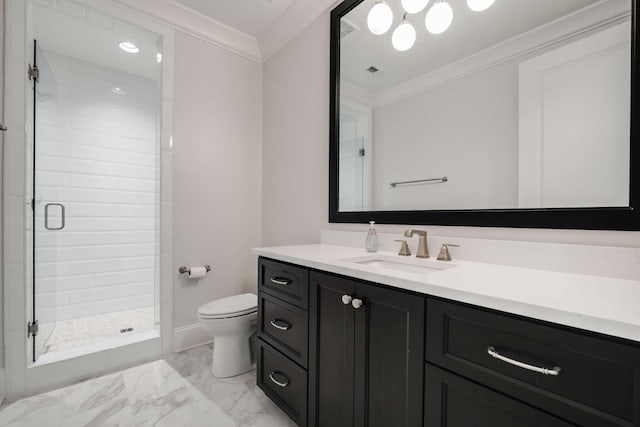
(46, 216)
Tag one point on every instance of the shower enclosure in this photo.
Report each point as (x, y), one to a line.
(94, 172)
(355, 156)
(87, 194)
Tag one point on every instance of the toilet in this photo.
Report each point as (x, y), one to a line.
(231, 321)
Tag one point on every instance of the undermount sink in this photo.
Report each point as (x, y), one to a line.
(409, 265)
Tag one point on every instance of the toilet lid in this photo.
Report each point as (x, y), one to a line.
(236, 305)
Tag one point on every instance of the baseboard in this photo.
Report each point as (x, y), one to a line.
(2, 389)
(190, 336)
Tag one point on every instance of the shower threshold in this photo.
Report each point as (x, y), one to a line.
(70, 338)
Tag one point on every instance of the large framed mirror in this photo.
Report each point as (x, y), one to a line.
(502, 113)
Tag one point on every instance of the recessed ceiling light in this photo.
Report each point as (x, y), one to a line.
(118, 91)
(129, 47)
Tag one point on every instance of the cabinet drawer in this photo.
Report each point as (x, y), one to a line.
(284, 326)
(284, 281)
(598, 381)
(451, 401)
(283, 381)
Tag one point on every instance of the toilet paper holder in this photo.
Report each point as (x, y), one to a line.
(183, 269)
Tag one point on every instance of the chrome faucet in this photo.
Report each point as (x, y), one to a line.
(423, 250)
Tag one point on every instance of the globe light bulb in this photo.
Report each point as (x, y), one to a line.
(404, 36)
(439, 18)
(414, 6)
(380, 18)
(479, 5)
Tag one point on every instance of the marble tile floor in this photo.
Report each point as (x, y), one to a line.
(178, 391)
(86, 331)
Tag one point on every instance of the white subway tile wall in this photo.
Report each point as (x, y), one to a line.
(96, 153)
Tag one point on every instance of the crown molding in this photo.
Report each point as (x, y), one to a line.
(188, 21)
(292, 22)
(355, 93)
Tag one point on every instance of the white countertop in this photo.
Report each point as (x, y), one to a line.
(600, 304)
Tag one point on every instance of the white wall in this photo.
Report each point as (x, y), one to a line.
(296, 108)
(296, 139)
(217, 172)
(575, 101)
(466, 130)
(97, 154)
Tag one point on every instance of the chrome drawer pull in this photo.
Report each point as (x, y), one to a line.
(555, 371)
(275, 324)
(276, 382)
(279, 281)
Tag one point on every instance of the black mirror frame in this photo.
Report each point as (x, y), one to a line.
(602, 218)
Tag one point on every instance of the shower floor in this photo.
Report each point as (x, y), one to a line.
(86, 331)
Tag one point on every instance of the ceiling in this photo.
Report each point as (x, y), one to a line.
(253, 17)
(470, 32)
(74, 30)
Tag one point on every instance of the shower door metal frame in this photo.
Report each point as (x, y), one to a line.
(32, 326)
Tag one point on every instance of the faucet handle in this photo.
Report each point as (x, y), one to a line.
(404, 248)
(444, 254)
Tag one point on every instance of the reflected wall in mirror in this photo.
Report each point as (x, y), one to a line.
(523, 105)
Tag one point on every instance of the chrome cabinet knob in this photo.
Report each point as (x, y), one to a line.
(346, 299)
(356, 303)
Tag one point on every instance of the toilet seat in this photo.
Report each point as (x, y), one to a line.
(233, 306)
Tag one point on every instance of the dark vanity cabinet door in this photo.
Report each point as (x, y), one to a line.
(331, 358)
(452, 401)
(389, 351)
(366, 364)
(598, 379)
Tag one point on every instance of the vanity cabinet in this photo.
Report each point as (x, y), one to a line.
(336, 351)
(366, 354)
(283, 333)
(452, 401)
(586, 379)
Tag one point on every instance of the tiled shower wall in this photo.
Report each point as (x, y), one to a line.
(96, 154)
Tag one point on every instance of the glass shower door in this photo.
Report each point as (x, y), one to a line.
(48, 210)
(95, 184)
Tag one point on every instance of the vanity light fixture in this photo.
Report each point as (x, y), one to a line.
(414, 6)
(437, 20)
(479, 5)
(129, 47)
(380, 18)
(404, 36)
(439, 17)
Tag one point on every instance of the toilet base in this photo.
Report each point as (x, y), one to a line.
(231, 356)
